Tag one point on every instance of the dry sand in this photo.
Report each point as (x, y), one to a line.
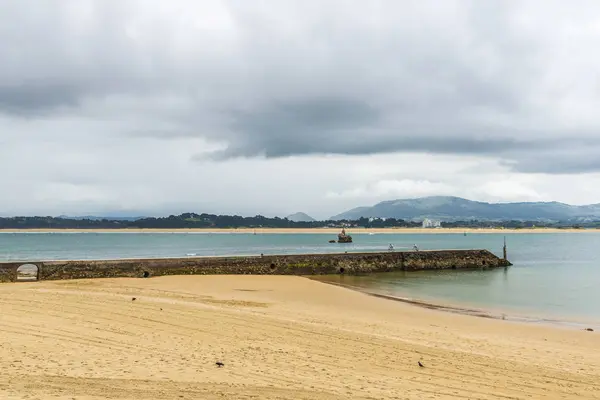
(329, 231)
(279, 337)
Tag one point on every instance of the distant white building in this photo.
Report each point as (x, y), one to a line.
(429, 223)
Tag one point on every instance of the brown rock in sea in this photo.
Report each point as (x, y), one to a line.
(343, 238)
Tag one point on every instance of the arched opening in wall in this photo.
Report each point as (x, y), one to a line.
(454, 267)
(273, 267)
(27, 272)
(483, 263)
(146, 274)
(342, 270)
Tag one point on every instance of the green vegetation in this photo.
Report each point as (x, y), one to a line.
(192, 220)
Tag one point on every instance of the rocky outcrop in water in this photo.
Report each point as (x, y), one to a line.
(343, 238)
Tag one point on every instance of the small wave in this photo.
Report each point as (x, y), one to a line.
(191, 254)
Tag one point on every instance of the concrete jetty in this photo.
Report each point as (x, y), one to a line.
(289, 264)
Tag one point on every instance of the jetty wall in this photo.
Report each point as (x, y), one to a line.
(296, 264)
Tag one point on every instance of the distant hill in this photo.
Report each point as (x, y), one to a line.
(447, 208)
(98, 218)
(300, 217)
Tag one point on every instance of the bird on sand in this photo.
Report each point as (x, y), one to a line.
(220, 364)
(421, 365)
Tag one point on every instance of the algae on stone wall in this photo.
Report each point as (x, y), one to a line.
(297, 264)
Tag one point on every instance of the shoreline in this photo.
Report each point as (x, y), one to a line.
(474, 311)
(279, 338)
(328, 231)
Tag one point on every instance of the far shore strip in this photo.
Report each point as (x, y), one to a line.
(328, 231)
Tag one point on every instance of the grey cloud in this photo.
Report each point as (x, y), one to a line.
(298, 127)
(469, 77)
(564, 156)
(280, 139)
(558, 165)
(33, 99)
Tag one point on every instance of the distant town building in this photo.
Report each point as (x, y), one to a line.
(429, 223)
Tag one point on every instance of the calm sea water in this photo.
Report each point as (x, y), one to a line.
(554, 275)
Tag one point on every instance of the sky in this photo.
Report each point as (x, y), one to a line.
(149, 107)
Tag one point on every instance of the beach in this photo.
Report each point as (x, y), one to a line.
(278, 337)
(328, 231)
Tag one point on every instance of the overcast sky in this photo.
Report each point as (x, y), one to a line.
(273, 107)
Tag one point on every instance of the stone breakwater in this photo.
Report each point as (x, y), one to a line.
(294, 264)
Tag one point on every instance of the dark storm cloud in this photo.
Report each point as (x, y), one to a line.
(24, 99)
(498, 79)
(341, 126)
(286, 147)
(299, 127)
(571, 164)
(564, 156)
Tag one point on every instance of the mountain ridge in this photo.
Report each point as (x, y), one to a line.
(452, 208)
(300, 217)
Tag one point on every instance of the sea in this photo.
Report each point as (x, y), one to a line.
(555, 277)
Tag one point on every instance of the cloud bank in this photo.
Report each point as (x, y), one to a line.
(108, 96)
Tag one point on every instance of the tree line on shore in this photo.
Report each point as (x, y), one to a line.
(192, 220)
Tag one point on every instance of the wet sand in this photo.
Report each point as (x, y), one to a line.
(279, 338)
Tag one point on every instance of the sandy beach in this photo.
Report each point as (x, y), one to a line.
(328, 231)
(279, 338)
